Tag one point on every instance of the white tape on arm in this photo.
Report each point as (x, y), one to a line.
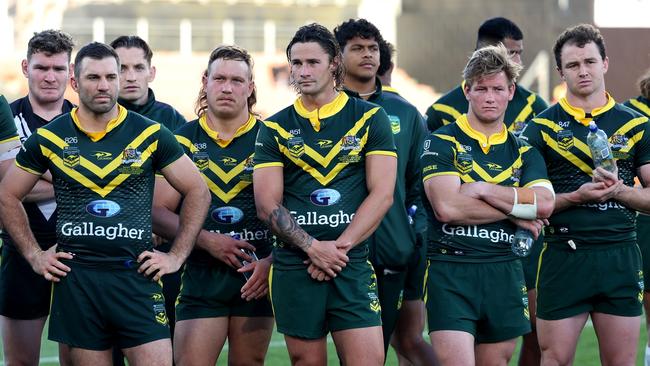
(525, 210)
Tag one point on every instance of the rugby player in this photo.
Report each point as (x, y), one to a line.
(641, 104)
(324, 177)
(102, 159)
(8, 134)
(24, 295)
(393, 244)
(217, 302)
(590, 264)
(477, 300)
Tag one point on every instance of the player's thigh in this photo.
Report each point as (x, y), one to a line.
(199, 341)
(21, 340)
(156, 353)
(453, 347)
(81, 356)
(498, 353)
(348, 343)
(306, 352)
(618, 337)
(558, 338)
(248, 340)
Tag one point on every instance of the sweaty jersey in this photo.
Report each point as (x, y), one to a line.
(227, 168)
(103, 182)
(392, 244)
(323, 153)
(8, 136)
(42, 215)
(503, 159)
(523, 106)
(560, 134)
(156, 111)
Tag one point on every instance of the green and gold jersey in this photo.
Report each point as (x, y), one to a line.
(156, 111)
(503, 159)
(8, 134)
(523, 106)
(227, 168)
(392, 244)
(323, 154)
(103, 182)
(639, 104)
(560, 134)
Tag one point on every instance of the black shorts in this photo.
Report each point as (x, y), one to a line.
(24, 294)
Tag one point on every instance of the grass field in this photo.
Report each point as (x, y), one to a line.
(586, 355)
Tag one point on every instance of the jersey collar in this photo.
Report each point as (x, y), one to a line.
(389, 89)
(112, 124)
(214, 135)
(484, 141)
(328, 110)
(583, 117)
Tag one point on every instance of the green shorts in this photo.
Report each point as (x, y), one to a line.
(529, 264)
(390, 291)
(643, 239)
(487, 300)
(97, 308)
(24, 294)
(605, 279)
(212, 291)
(415, 273)
(307, 308)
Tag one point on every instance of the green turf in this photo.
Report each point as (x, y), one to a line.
(587, 353)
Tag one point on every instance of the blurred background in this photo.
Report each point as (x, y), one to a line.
(433, 39)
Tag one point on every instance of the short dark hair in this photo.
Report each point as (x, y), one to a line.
(96, 51)
(386, 51)
(133, 42)
(318, 34)
(578, 35)
(226, 53)
(644, 85)
(495, 30)
(50, 42)
(356, 28)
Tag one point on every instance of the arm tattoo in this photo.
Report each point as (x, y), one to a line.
(285, 227)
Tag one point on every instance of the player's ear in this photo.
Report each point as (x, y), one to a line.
(24, 65)
(152, 74)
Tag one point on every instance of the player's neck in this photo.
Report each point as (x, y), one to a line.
(95, 122)
(589, 102)
(364, 88)
(487, 128)
(47, 111)
(315, 101)
(226, 127)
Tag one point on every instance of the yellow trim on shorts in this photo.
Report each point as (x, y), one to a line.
(271, 289)
(426, 279)
(539, 267)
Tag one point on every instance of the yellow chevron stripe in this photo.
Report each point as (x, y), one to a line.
(225, 196)
(567, 154)
(325, 161)
(451, 139)
(227, 177)
(555, 127)
(630, 125)
(548, 123)
(447, 109)
(527, 110)
(186, 142)
(632, 141)
(101, 172)
(640, 106)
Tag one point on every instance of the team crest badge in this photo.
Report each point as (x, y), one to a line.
(516, 174)
(618, 141)
(518, 127)
(130, 156)
(565, 139)
(350, 142)
(464, 162)
(296, 146)
(201, 160)
(394, 124)
(160, 314)
(71, 156)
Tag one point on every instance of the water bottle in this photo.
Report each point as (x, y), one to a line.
(411, 213)
(522, 242)
(598, 144)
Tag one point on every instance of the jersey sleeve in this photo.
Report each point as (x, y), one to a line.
(532, 134)
(178, 120)
(168, 150)
(414, 187)
(437, 158)
(267, 151)
(533, 167)
(434, 120)
(30, 157)
(380, 135)
(539, 105)
(8, 133)
(642, 155)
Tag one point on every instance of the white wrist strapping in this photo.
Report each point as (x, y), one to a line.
(527, 209)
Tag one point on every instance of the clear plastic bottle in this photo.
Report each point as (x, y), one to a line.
(601, 152)
(522, 243)
(411, 213)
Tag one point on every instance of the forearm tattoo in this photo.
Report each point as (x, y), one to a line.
(285, 227)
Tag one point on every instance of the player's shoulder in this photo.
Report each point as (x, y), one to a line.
(187, 128)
